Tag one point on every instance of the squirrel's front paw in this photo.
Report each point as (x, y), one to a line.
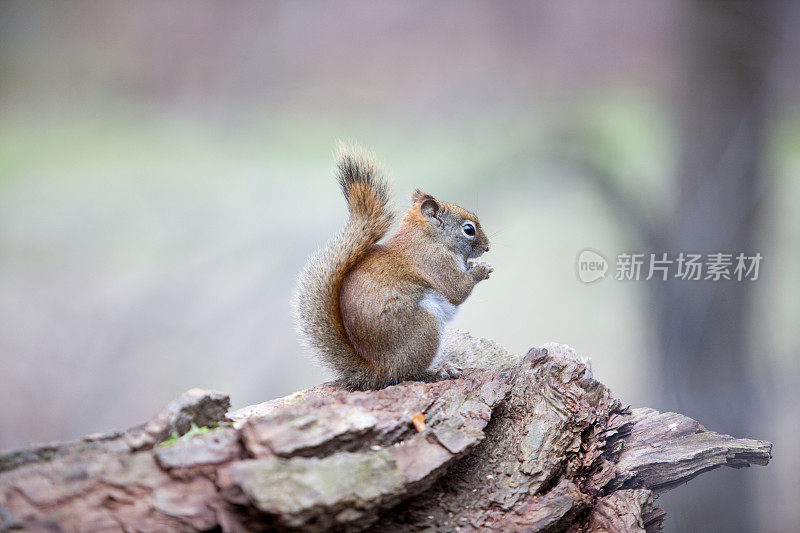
(481, 271)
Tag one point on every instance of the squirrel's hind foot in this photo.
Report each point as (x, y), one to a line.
(446, 371)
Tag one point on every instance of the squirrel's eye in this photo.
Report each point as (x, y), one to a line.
(468, 229)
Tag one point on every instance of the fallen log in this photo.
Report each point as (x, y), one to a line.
(533, 444)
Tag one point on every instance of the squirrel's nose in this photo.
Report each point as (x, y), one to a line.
(487, 247)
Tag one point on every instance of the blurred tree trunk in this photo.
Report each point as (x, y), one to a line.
(702, 327)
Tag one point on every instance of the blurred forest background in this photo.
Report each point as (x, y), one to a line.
(166, 168)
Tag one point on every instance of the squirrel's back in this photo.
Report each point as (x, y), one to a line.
(317, 298)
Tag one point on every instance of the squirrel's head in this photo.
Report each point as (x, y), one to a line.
(453, 226)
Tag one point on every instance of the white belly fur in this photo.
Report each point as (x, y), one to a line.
(444, 311)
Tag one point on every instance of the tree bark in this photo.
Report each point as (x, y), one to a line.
(534, 444)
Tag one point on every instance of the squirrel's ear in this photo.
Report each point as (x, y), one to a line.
(427, 203)
(429, 206)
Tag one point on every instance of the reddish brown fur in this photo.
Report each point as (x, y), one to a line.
(380, 298)
(375, 312)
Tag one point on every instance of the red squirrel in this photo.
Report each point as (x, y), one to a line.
(376, 312)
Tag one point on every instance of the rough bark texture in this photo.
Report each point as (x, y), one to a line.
(535, 444)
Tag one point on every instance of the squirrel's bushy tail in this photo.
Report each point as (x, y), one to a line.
(316, 301)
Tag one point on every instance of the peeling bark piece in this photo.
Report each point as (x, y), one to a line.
(552, 512)
(203, 408)
(407, 399)
(215, 447)
(187, 503)
(466, 351)
(102, 491)
(664, 450)
(315, 494)
(624, 511)
(111, 442)
(418, 458)
(297, 431)
(456, 438)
